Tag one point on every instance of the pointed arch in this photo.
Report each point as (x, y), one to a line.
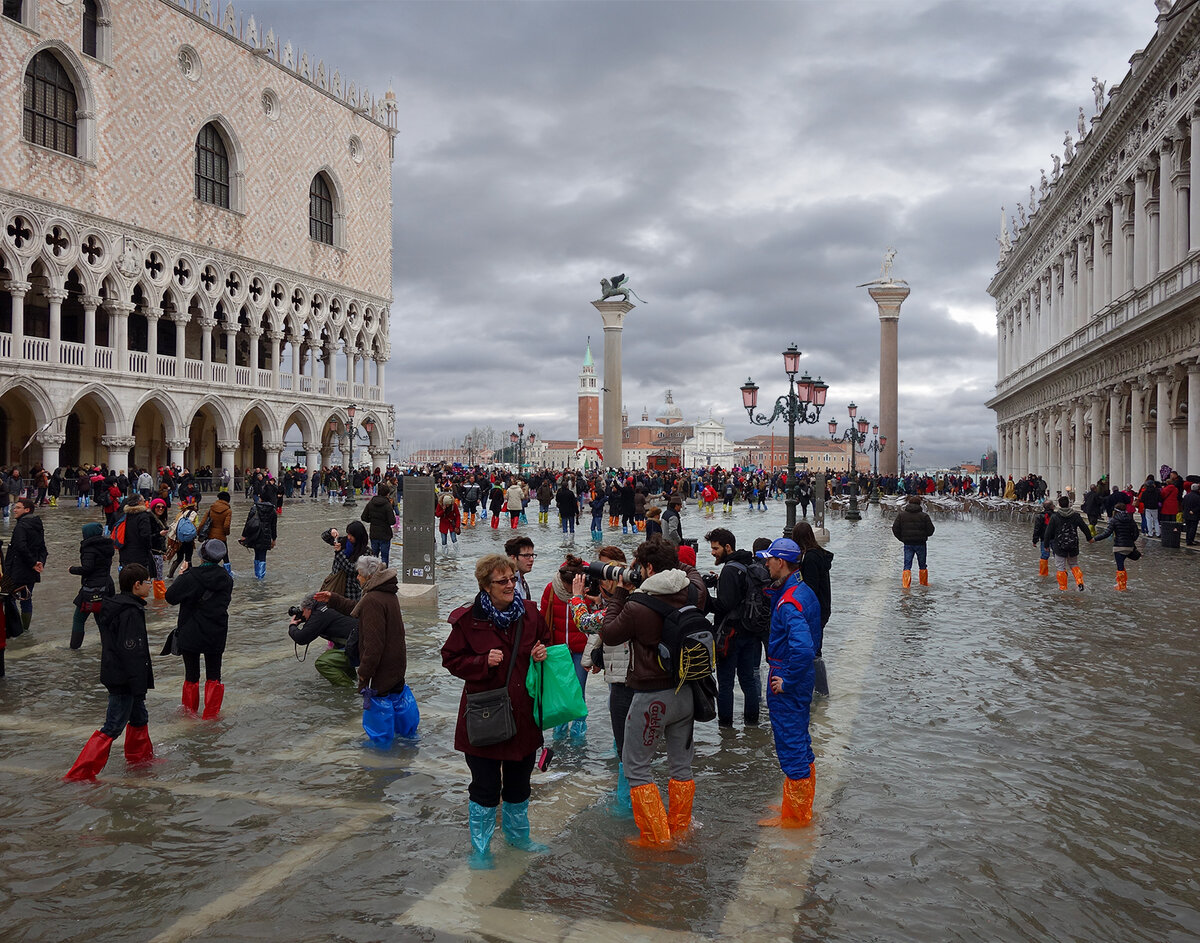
(217, 141)
(83, 145)
(226, 428)
(172, 423)
(326, 208)
(110, 407)
(267, 420)
(39, 400)
(302, 417)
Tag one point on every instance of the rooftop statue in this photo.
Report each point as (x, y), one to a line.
(1068, 146)
(1098, 92)
(1057, 164)
(618, 285)
(885, 272)
(1081, 124)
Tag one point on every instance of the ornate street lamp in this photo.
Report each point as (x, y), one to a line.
(854, 437)
(368, 426)
(801, 404)
(878, 444)
(518, 439)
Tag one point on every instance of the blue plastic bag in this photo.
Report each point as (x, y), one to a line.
(391, 716)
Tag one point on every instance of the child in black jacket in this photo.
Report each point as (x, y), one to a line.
(95, 578)
(125, 671)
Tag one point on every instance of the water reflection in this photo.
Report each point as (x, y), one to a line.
(998, 761)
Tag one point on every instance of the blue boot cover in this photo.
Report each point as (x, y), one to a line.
(483, 825)
(406, 716)
(621, 804)
(260, 569)
(378, 719)
(514, 819)
(579, 730)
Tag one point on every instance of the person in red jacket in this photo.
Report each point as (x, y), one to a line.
(1168, 503)
(492, 641)
(449, 518)
(556, 613)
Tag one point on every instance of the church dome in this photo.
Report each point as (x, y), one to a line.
(671, 413)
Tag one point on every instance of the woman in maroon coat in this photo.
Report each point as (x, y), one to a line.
(480, 651)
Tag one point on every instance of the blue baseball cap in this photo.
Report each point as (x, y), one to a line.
(781, 549)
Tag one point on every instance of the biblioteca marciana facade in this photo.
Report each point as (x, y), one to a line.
(195, 240)
(1098, 290)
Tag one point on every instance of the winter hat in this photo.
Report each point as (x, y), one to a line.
(157, 503)
(447, 499)
(687, 555)
(213, 550)
(93, 530)
(781, 549)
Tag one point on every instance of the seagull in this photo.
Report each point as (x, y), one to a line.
(46, 426)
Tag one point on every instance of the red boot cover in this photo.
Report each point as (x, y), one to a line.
(214, 694)
(91, 759)
(139, 751)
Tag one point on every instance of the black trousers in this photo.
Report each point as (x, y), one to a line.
(191, 666)
(492, 780)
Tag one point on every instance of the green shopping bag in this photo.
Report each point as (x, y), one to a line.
(554, 687)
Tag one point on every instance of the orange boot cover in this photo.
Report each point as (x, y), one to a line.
(139, 751)
(650, 816)
(1043, 567)
(906, 579)
(1078, 574)
(1122, 580)
(214, 694)
(91, 759)
(680, 793)
(1062, 580)
(191, 696)
(796, 811)
(924, 574)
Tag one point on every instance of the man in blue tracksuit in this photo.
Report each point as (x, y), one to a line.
(795, 621)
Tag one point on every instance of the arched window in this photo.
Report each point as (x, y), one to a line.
(91, 29)
(320, 210)
(50, 104)
(12, 9)
(212, 167)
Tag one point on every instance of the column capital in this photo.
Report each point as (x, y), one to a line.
(178, 445)
(56, 295)
(18, 288)
(206, 324)
(312, 447)
(180, 317)
(90, 301)
(120, 309)
(152, 312)
(228, 445)
(253, 331)
(52, 439)
(274, 335)
(118, 441)
(273, 446)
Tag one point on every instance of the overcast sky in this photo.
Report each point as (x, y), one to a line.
(746, 164)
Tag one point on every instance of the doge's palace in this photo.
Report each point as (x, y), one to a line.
(195, 239)
(1098, 287)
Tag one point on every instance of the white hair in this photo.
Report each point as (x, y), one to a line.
(368, 566)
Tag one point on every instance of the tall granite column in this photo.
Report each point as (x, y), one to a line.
(888, 299)
(613, 314)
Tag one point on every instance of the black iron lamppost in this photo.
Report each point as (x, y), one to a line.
(877, 445)
(368, 426)
(854, 437)
(518, 439)
(470, 454)
(802, 404)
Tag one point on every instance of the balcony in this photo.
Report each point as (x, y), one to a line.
(73, 356)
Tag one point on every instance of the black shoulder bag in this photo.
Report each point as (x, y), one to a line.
(489, 714)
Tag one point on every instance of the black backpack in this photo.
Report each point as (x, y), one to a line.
(1066, 540)
(687, 649)
(754, 614)
(253, 527)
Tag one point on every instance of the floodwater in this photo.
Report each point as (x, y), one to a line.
(998, 761)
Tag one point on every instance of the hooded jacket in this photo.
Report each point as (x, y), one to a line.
(203, 594)
(383, 653)
(628, 620)
(95, 562)
(221, 515)
(139, 537)
(814, 573)
(379, 517)
(1124, 530)
(1065, 517)
(124, 648)
(26, 548)
(912, 525)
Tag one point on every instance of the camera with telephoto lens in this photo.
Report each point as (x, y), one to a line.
(296, 613)
(613, 571)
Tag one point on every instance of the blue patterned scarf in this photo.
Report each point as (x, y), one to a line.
(500, 619)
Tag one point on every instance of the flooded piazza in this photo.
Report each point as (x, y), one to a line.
(997, 761)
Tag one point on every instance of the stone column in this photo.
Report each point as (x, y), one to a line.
(90, 304)
(1120, 267)
(1096, 463)
(1164, 439)
(51, 442)
(1079, 454)
(1181, 180)
(312, 458)
(17, 291)
(1166, 205)
(228, 449)
(206, 325)
(118, 333)
(1035, 445)
(181, 322)
(1052, 460)
(1137, 432)
(118, 447)
(273, 450)
(1193, 418)
(888, 299)
(1099, 283)
(1043, 309)
(54, 298)
(254, 333)
(1058, 323)
(1141, 228)
(349, 352)
(297, 356)
(612, 313)
(273, 338)
(176, 449)
(1194, 187)
(231, 332)
(1070, 316)
(380, 364)
(153, 315)
(1116, 452)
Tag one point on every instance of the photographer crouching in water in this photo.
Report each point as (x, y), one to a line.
(312, 620)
